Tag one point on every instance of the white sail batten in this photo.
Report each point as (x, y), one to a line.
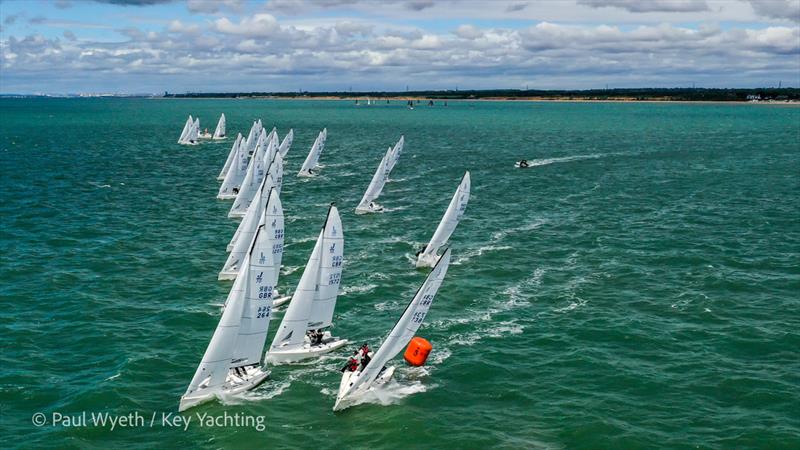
(262, 276)
(403, 331)
(454, 212)
(286, 143)
(231, 157)
(219, 132)
(376, 184)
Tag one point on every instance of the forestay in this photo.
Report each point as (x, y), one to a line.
(403, 331)
(458, 204)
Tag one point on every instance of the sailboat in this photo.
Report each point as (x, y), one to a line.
(286, 143)
(307, 170)
(398, 148)
(233, 362)
(192, 134)
(231, 157)
(427, 256)
(236, 172)
(265, 151)
(186, 128)
(300, 334)
(219, 132)
(376, 372)
(367, 204)
(246, 228)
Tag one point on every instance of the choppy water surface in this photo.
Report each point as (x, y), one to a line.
(637, 287)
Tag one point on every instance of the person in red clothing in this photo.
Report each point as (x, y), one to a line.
(365, 358)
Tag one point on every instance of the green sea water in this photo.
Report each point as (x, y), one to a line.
(637, 288)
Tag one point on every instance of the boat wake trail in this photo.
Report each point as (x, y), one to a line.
(548, 161)
(387, 394)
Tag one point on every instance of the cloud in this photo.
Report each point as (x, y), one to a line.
(11, 18)
(777, 9)
(263, 52)
(69, 35)
(639, 6)
(419, 5)
(135, 2)
(37, 20)
(514, 7)
(213, 6)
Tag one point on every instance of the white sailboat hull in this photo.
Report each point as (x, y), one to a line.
(236, 214)
(342, 403)
(424, 260)
(233, 385)
(304, 352)
(281, 301)
(367, 210)
(226, 196)
(227, 275)
(306, 174)
(220, 138)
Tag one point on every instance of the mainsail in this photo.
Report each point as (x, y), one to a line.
(401, 334)
(398, 148)
(238, 341)
(313, 155)
(314, 299)
(186, 128)
(458, 204)
(376, 184)
(286, 143)
(236, 173)
(219, 132)
(255, 175)
(274, 179)
(231, 157)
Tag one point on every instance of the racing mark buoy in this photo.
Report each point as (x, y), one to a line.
(417, 352)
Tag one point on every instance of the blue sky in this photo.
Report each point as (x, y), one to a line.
(143, 46)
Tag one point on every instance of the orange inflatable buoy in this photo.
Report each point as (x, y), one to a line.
(417, 351)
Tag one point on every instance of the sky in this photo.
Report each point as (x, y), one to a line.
(152, 46)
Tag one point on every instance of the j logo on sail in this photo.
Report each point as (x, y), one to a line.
(262, 259)
(259, 277)
(333, 247)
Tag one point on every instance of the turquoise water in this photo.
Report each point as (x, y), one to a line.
(637, 288)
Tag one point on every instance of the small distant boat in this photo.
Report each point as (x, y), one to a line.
(232, 363)
(265, 153)
(186, 128)
(286, 143)
(300, 334)
(367, 204)
(192, 134)
(307, 170)
(428, 255)
(231, 157)
(236, 172)
(219, 132)
(522, 164)
(376, 372)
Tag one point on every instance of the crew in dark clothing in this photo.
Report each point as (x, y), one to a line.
(523, 163)
(365, 358)
(421, 250)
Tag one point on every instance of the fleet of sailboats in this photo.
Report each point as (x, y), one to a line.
(252, 176)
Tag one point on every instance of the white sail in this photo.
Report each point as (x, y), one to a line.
(274, 179)
(231, 157)
(236, 173)
(263, 270)
(375, 186)
(398, 148)
(314, 300)
(219, 132)
(252, 180)
(458, 204)
(186, 128)
(244, 233)
(286, 143)
(399, 337)
(313, 155)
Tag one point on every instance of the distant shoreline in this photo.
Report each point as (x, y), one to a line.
(423, 101)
